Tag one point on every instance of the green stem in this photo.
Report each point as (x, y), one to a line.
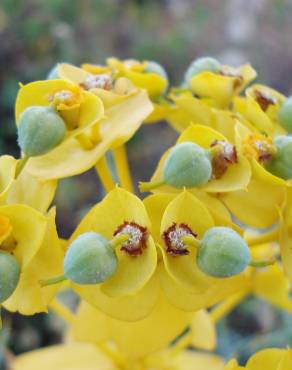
(146, 186)
(52, 281)
(262, 263)
(118, 240)
(20, 165)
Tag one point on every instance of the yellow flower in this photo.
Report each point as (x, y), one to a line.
(258, 205)
(267, 359)
(260, 107)
(184, 285)
(221, 87)
(124, 115)
(230, 169)
(120, 212)
(141, 74)
(40, 255)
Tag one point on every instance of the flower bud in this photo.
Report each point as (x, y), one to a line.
(201, 65)
(188, 165)
(9, 275)
(90, 259)
(40, 130)
(281, 165)
(154, 67)
(222, 253)
(285, 115)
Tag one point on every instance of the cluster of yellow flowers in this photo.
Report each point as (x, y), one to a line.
(215, 228)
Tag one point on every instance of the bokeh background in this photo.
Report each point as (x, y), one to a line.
(36, 34)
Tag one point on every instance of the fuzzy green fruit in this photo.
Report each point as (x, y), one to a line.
(9, 275)
(281, 164)
(40, 130)
(154, 67)
(90, 259)
(222, 253)
(188, 165)
(285, 115)
(201, 65)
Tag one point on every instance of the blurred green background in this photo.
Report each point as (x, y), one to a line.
(35, 34)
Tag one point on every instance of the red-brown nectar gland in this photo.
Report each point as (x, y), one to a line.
(264, 99)
(259, 147)
(138, 236)
(172, 238)
(223, 158)
(229, 71)
(98, 81)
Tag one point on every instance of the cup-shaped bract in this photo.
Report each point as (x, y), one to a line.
(90, 259)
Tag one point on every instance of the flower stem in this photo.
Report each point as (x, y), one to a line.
(118, 240)
(20, 165)
(52, 281)
(146, 186)
(122, 166)
(105, 175)
(191, 240)
(262, 263)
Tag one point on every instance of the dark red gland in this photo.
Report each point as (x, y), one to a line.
(172, 238)
(232, 72)
(138, 236)
(264, 100)
(224, 158)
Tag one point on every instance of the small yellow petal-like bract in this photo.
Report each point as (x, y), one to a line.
(7, 174)
(29, 297)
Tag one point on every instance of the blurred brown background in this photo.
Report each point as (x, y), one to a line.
(35, 34)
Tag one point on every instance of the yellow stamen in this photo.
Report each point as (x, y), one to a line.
(224, 308)
(105, 175)
(122, 166)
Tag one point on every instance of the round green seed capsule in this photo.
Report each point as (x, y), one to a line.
(154, 67)
(188, 165)
(285, 115)
(40, 130)
(201, 65)
(9, 275)
(281, 164)
(90, 259)
(222, 253)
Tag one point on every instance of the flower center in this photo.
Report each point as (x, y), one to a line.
(138, 236)
(224, 154)
(97, 81)
(259, 147)
(264, 99)
(64, 98)
(172, 238)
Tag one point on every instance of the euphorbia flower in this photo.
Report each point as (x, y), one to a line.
(260, 107)
(265, 192)
(120, 213)
(147, 75)
(230, 169)
(222, 85)
(81, 151)
(39, 252)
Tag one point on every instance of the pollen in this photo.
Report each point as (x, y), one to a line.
(64, 97)
(138, 236)
(172, 238)
(97, 81)
(259, 147)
